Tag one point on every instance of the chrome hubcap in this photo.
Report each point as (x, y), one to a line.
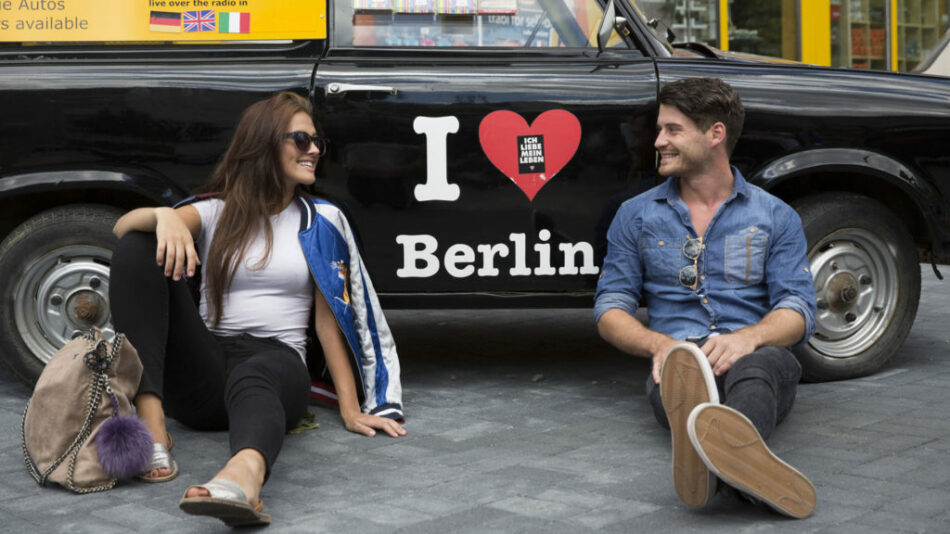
(62, 295)
(856, 282)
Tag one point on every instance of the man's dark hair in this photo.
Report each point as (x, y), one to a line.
(707, 101)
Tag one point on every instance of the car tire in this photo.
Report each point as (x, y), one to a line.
(55, 273)
(867, 281)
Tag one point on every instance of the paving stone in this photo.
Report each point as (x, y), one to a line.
(536, 508)
(886, 522)
(887, 468)
(926, 503)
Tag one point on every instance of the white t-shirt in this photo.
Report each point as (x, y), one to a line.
(273, 301)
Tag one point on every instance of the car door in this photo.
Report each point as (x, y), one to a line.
(483, 153)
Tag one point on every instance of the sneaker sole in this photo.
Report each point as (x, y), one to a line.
(732, 448)
(687, 381)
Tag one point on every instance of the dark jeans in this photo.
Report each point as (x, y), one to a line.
(760, 385)
(255, 388)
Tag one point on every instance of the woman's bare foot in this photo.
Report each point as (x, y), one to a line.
(149, 409)
(246, 469)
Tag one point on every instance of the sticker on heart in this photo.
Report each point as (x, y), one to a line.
(530, 155)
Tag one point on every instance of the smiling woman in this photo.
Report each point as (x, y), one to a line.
(299, 153)
(237, 359)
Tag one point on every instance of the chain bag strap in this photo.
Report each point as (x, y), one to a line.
(97, 359)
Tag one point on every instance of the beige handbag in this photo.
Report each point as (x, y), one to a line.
(79, 411)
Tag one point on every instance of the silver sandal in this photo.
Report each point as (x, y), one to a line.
(161, 458)
(227, 502)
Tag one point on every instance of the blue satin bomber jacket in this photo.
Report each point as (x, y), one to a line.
(329, 247)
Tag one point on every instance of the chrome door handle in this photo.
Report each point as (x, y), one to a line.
(340, 88)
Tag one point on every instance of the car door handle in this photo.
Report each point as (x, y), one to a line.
(340, 88)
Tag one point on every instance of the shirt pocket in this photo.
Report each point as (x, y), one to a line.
(661, 258)
(745, 256)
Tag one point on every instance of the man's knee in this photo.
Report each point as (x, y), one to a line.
(769, 363)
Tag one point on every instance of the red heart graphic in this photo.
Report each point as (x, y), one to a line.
(530, 155)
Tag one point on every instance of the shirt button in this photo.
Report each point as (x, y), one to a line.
(712, 327)
(661, 243)
(752, 228)
(702, 277)
(705, 301)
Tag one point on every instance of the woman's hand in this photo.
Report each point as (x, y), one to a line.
(175, 229)
(367, 425)
(176, 244)
(338, 362)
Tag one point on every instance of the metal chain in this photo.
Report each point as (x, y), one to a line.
(100, 381)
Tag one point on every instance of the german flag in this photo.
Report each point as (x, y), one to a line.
(164, 21)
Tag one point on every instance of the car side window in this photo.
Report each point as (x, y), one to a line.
(471, 23)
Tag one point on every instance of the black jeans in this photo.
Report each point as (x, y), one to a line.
(760, 385)
(255, 388)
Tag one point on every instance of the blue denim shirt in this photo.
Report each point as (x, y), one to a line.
(754, 261)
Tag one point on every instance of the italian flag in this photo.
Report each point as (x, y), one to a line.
(234, 22)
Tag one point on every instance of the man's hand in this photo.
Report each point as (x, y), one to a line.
(660, 352)
(723, 351)
(365, 424)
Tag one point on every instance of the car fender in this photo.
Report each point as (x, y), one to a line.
(786, 169)
(155, 188)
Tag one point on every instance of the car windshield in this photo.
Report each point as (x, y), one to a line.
(470, 23)
(653, 24)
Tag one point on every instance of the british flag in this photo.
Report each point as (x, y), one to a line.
(198, 21)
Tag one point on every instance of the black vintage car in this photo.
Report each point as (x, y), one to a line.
(480, 156)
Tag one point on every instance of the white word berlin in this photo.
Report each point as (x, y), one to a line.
(420, 259)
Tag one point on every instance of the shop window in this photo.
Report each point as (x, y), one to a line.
(859, 34)
(471, 23)
(920, 25)
(765, 27)
(693, 21)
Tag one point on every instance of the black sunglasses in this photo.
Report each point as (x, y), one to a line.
(302, 141)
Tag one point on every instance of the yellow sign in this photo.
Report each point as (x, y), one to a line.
(161, 20)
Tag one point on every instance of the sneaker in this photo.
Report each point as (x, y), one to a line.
(687, 381)
(733, 450)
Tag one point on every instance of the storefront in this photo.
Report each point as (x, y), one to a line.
(864, 34)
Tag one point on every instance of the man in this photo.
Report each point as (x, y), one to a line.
(722, 266)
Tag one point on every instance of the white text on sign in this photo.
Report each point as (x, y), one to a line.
(420, 259)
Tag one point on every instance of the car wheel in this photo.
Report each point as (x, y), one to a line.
(867, 281)
(55, 273)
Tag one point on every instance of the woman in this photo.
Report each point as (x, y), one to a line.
(271, 257)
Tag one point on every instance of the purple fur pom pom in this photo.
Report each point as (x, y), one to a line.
(125, 446)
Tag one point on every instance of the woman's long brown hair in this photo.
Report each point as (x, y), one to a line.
(250, 181)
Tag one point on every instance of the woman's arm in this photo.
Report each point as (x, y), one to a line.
(175, 230)
(334, 351)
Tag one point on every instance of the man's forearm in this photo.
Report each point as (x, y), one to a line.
(625, 332)
(779, 328)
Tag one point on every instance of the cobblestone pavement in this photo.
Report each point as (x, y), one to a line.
(525, 421)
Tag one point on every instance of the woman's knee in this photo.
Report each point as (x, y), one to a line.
(270, 370)
(250, 373)
(261, 381)
(133, 249)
